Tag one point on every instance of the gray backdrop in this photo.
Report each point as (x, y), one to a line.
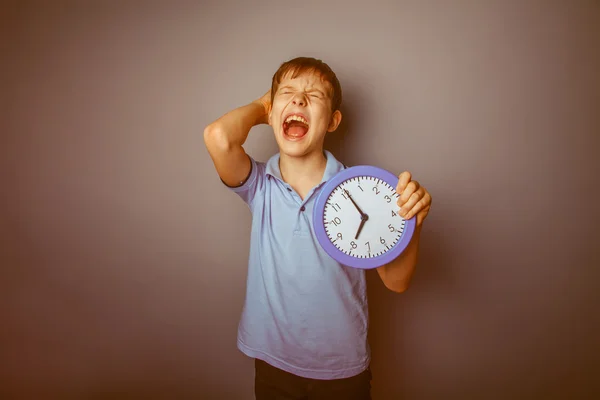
(124, 258)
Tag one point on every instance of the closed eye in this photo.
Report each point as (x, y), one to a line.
(315, 93)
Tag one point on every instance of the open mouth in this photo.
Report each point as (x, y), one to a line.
(295, 126)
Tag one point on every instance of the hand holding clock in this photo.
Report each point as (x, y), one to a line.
(414, 199)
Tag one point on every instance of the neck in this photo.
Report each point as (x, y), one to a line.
(305, 170)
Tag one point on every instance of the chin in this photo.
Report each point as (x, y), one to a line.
(293, 150)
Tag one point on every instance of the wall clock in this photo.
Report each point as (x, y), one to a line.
(356, 218)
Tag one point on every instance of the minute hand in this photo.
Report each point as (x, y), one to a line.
(353, 202)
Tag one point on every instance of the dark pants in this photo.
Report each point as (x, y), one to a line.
(271, 383)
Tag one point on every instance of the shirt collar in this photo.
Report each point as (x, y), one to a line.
(332, 167)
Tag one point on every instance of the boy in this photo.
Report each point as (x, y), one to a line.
(305, 317)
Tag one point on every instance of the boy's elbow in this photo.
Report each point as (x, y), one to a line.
(211, 132)
(397, 286)
(214, 138)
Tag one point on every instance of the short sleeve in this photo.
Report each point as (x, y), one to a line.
(253, 185)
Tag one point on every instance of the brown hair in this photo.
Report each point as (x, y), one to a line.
(300, 65)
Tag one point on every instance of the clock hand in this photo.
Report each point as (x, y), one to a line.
(363, 219)
(353, 202)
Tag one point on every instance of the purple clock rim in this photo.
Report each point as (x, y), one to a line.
(319, 226)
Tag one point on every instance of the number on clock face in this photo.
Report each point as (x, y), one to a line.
(361, 217)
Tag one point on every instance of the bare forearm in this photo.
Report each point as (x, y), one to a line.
(396, 275)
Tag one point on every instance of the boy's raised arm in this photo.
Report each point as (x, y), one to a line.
(225, 136)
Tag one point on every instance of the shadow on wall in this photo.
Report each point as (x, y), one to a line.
(387, 313)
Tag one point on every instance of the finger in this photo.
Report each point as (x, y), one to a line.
(405, 194)
(422, 205)
(413, 200)
(411, 187)
(427, 199)
(422, 215)
(403, 180)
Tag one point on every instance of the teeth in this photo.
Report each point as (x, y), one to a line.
(296, 118)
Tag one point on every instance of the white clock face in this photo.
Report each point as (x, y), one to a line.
(361, 217)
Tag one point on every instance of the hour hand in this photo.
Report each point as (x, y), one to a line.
(363, 219)
(353, 202)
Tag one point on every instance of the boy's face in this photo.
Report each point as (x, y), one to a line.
(301, 114)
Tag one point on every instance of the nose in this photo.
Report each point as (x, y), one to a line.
(299, 100)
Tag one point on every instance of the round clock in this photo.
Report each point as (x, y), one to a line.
(356, 218)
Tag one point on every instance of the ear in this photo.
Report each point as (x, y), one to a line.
(336, 118)
(269, 114)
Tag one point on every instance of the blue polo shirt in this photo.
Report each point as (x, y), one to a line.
(304, 312)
